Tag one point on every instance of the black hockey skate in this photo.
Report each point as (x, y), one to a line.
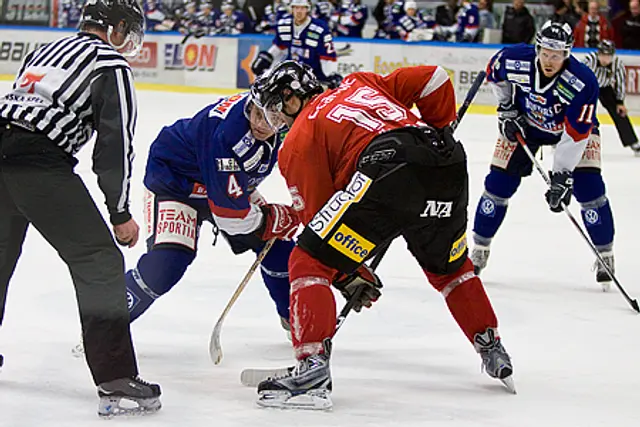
(307, 386)
(495, 359)
(132, 390)
(602, 276)
(1, 361)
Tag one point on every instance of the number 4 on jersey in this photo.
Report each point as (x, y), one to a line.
(233, 188)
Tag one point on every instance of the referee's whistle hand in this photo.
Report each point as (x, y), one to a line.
(621, 110)
(127, 233)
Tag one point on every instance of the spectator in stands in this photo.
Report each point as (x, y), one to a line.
(630, 31)
(593, 27)
(156, 17)
(487, 18)
(446, 14)
(566, 12)
(518, 25)
(69, 13)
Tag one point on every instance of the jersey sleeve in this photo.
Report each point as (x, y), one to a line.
(580, 117)
(326, 49)
(227, 187)
(282, 39)
(496, 71)
(429, 88)
(305, 167)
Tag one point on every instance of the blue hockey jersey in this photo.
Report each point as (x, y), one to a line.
(468, 21)
(236, 23)
(566, 103)
(311, 45)
(214, 155)
(561, 110)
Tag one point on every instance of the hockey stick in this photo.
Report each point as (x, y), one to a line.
(632, 302)
(215, 349)
(251, 377)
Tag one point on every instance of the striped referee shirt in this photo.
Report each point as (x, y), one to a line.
(613, 75)
(70, 88)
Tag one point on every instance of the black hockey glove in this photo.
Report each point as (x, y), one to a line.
(560, 190)
(364, 276)
(262, 63)
(333, 81)
(511, 122)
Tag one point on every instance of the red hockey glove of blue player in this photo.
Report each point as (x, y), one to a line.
(511, 122)
(365, 277)
(280, 221)
(560, 190)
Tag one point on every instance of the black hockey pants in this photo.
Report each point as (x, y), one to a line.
(38, 187)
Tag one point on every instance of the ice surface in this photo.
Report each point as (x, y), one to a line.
(404, 363)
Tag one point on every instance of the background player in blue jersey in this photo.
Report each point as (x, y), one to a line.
(207, 168)
(548, 96)
(305, 39)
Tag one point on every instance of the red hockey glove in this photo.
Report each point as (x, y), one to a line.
(280, 221)
(364, 276)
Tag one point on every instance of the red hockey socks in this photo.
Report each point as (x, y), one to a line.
(466, 299)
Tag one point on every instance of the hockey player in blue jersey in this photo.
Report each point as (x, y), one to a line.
(351, 18)
(305, 39)
(232, 21)
(468, 23)
(550, 98)
(207, 168)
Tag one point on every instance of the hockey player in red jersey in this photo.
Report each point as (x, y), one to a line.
(363, 169)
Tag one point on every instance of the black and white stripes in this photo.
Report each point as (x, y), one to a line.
(612, 75)
(72, 87)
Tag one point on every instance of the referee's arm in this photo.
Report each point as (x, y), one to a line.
(620, 82)
(114, 114)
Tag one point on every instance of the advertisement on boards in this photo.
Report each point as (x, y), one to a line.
(25, 12)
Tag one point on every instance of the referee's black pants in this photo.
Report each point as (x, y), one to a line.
(38, 187)
(623, 124)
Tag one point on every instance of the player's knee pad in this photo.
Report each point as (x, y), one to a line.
(156, 273)
(588, 185)
(275, 273)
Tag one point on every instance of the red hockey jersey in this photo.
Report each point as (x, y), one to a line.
(320, 153)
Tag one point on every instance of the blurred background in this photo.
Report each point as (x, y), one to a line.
(485, 21)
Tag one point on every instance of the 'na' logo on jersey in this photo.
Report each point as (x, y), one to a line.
(30, 80)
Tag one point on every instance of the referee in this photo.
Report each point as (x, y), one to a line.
(64, 93)
(609, 70)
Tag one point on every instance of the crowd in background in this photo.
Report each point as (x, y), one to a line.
(455, 20)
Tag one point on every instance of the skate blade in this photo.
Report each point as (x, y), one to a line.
(315, 400)
(110, 407)
(509, 384)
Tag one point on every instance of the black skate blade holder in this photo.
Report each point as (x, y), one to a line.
(632, 302)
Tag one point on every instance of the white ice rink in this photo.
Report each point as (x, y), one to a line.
(404, 363)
